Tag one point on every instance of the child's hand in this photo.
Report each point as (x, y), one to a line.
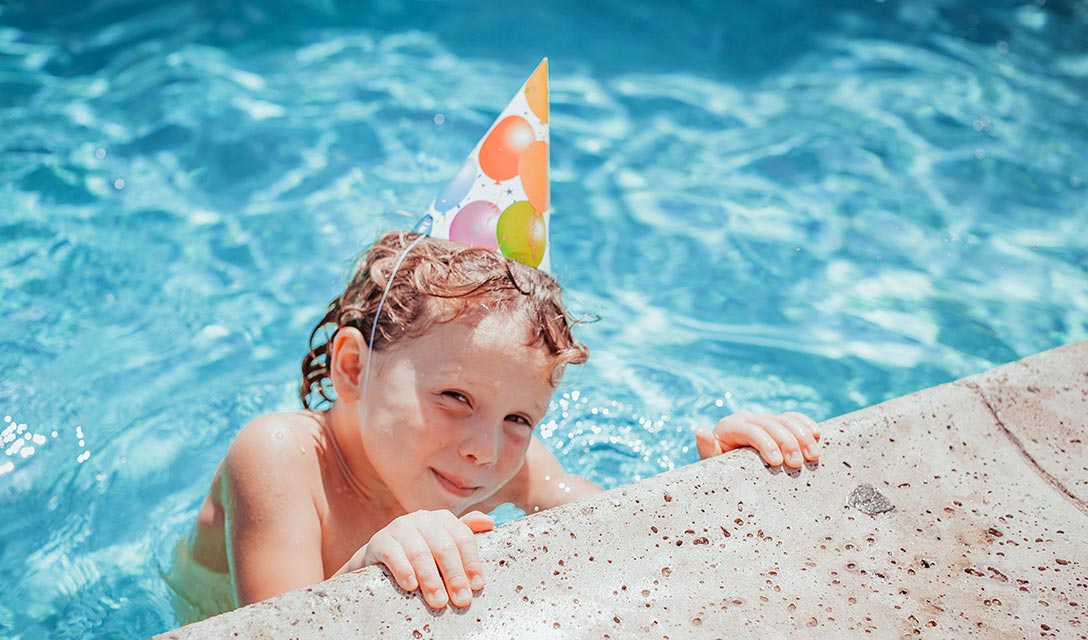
(433, 551)
(789, 437)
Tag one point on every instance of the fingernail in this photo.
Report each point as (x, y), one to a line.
(795, 459)
(410, 582)
(463, 596)
(477, 583)
(439, 597)
(812, 451)
(776, 458)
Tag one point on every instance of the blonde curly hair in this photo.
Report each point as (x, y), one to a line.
(438, 281)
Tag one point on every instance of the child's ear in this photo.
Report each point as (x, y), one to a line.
(347, 361)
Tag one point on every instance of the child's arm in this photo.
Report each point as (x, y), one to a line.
(273, 534)
(788, 438)
(436, 552)
(545, 484)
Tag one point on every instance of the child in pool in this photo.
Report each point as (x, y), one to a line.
(430, 428)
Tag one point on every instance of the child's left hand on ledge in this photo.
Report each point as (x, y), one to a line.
(788, 438)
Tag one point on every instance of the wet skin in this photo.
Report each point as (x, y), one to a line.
(403, 476)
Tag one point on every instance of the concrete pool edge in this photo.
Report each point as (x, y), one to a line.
(987, 486)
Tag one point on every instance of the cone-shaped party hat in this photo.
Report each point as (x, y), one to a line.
(500, 197)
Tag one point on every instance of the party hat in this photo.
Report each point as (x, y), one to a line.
(500, 197)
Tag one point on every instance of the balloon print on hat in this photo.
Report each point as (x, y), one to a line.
(456, 190)
(502, 148)
(504, 183)
(522, 234)
(536, 92)
(475, 225)
(533, 170)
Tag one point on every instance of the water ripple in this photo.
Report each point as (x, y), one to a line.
(866, 200)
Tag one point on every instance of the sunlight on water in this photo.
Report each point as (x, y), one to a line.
(787, 207)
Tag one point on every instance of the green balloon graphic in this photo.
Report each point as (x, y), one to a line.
(522, 234)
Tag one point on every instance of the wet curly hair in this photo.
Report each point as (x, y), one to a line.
(438, 281)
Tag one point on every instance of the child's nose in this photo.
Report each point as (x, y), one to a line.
(480, 445)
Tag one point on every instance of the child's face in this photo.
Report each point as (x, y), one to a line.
(449, 415)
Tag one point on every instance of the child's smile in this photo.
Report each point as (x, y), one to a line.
(450, 414)
(456, 488)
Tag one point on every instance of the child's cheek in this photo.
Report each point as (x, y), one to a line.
(437, 422)
(513, 452)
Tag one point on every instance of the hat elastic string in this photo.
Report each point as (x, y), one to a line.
(378, 313)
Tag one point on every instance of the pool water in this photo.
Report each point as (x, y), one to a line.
(775, 206)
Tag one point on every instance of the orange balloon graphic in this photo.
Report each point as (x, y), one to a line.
(533, 169)
(536, 91)
(501, 150)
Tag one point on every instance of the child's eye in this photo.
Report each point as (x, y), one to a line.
(519, 419)
(460, 397)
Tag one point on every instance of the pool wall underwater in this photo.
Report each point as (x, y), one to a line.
(977, 531)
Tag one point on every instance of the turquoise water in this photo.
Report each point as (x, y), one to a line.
(770, 205)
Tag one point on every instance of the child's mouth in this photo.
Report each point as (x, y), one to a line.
(451, 486)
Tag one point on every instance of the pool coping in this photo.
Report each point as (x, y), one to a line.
(974, 525)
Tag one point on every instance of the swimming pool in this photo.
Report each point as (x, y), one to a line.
(773, 207)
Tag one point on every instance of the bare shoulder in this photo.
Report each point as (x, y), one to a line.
(292, 432)
(271, 481)
(278, 451)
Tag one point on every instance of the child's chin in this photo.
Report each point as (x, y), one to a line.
(436, 500)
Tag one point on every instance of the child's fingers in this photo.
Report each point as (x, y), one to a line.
(465, 538)
(388, 551)
(447, 554)
(478, 521)
(706, 444)
(750, 434)
(785, 440)
(421, 555)
(813, 426)
(800, 430)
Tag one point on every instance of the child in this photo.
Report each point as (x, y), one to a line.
(467, 353)
(443, 358)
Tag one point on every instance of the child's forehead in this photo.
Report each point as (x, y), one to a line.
(500, 338)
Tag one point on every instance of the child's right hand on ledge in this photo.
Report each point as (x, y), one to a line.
(433, 551)
(788, 438)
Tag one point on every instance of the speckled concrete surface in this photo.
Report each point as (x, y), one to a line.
(986, 538)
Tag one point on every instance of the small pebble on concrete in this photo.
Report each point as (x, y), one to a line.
(868, 500)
